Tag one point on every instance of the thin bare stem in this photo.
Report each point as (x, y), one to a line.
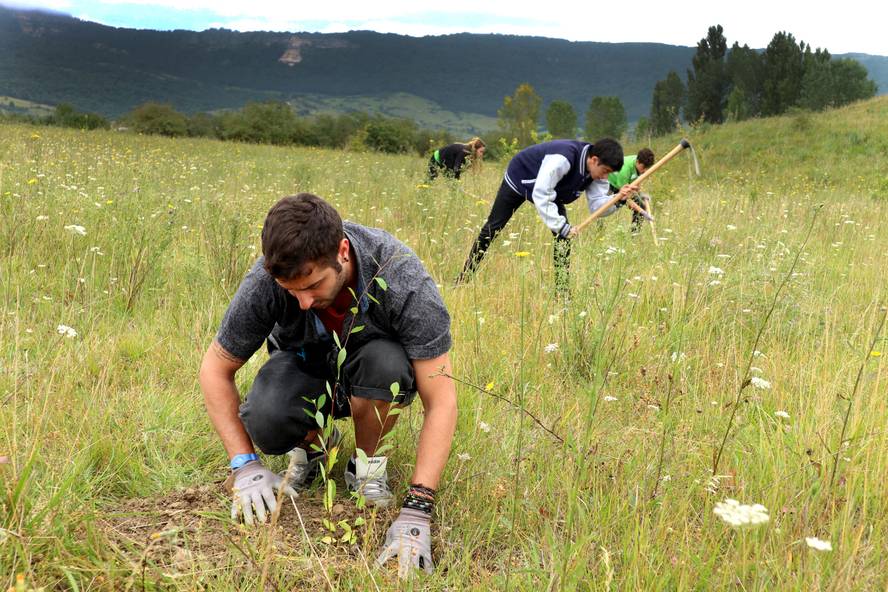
(746, 378)
(866, 357)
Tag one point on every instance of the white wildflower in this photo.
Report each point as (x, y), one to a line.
(66, 331)
(609, 398)
(678, 356)
(42, 218)
(76, 229)
(553, 318)
(583, 314)
(782, 414)
(739, 515)
(484, 427)
(818, 545)
(550, 348)
(716, 270)
(759, 382)
(463, 456)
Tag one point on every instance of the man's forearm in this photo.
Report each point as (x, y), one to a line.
(433, 449)
(222, 401)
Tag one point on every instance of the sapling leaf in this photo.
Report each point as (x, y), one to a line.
(383, 449)
(340, 360)
(374, 300)
(327, 540)
(359, 521)
(321, 400)
(357, 329)
(381, 283)
(354, 310)
(329, 389)
(336, 340)
(394, 411)
(319, 419)
(362, 456)
(329, 525)
(395, 388)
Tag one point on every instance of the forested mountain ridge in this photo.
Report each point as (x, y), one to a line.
(52, 58)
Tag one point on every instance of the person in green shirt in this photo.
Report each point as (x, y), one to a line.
(633, 166)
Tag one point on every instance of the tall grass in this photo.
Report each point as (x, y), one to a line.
(648, 357)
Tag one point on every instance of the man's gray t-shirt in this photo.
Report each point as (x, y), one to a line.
(410, 310)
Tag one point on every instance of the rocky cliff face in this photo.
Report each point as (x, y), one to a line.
(296, 45)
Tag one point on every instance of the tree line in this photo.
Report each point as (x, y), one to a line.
(743, 83)
(721, 86)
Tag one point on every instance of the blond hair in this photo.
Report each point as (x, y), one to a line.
(472, 147)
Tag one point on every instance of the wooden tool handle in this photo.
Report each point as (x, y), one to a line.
(597, 213)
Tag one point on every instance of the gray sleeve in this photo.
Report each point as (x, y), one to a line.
(251, 315)
(416, 310)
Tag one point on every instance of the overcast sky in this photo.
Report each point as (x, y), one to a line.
(841, 27)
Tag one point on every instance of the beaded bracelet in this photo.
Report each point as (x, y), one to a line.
(419, 498)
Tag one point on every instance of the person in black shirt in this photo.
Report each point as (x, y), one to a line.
(452, 159)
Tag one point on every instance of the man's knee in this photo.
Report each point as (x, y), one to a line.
(376, 368)
(274, 413)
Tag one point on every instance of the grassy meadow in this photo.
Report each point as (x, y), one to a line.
(743, 358)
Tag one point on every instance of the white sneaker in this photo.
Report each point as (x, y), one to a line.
(370, 479)
(303, 466)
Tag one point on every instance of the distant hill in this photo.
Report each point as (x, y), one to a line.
(451, 81)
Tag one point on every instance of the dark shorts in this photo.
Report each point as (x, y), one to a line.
(280, 407)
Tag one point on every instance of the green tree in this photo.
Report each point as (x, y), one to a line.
(708, 80)
(66, 115)
(519, 114)
(204, 125)
(390, 135)
(666, 104)
(157, 118)
(782, 71)
(643, 130)
(269, 122)
(851, 82)
(833, 83)
(605, 118)
(745, 72)
(561, 120)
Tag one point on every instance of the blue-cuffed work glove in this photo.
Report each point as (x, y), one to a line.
(254, 489)
(410, 539)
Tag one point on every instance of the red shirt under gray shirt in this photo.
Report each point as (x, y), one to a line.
(410, 311)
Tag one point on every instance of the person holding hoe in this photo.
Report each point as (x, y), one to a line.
(452, 159)
(319, 277)
(551, 175)
(633, 166)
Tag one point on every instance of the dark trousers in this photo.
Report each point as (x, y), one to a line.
(504, 206)
(280, 408)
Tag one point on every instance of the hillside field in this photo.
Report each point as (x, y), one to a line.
(744, 358)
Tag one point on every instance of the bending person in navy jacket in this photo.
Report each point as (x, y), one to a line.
(552, 175)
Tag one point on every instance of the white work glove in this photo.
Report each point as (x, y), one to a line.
(254, 488)
(410, 539)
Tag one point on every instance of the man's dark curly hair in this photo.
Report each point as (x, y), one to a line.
(298, 230)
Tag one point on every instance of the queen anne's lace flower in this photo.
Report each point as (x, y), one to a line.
(740, 515)
(818, 545)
